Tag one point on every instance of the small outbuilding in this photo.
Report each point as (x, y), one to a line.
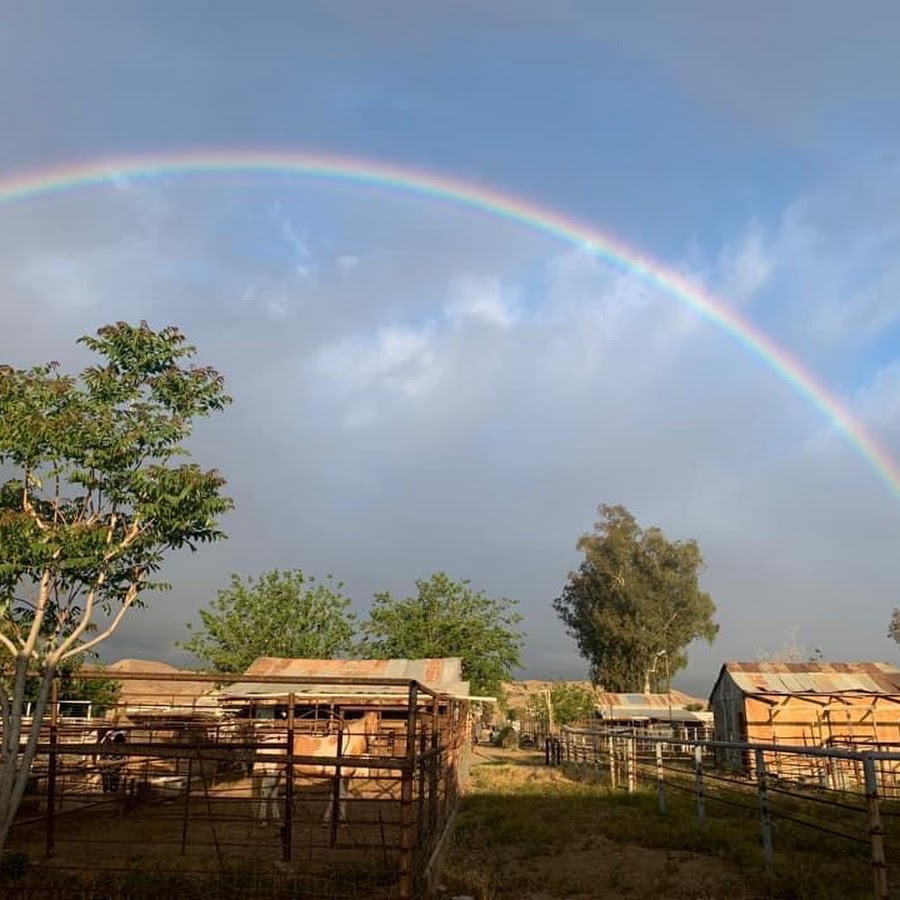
(849, 705)
(682, 715)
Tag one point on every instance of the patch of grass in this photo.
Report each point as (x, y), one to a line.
(516, 814)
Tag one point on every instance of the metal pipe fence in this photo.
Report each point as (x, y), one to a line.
(792, 793)
(173, 790)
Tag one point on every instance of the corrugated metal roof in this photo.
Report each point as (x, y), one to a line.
(441, 675)
(677, 700)
(654, 713)
(814, 677)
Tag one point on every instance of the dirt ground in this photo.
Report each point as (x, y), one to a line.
(208, 832)
(528, 831)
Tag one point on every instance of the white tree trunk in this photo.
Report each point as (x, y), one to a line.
(15, 762)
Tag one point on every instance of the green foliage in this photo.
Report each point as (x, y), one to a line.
(635, 598)
(285, 614)
(99, 493)
(570, 703)
(448, 618)
(894, 626)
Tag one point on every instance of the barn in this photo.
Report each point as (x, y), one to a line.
(806, 704)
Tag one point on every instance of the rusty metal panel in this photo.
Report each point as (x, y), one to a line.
(676, 700)
(441, 675)
(814, 677)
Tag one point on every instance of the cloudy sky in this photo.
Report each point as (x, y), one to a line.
(419, 386)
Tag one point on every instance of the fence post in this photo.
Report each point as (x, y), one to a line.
(630, 749)
(287, 837)
(51, 765)
(876, 830)
(187, 805)
(612, 762)
(660, 783)
(765, 819)
(407, 838)
(698, 782)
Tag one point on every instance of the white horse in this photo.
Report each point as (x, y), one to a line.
(269, 782)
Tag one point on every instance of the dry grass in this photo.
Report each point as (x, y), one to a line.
(530, 832)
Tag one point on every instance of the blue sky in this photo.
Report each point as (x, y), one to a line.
(421, 387)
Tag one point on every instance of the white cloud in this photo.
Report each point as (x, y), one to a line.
(481, 300)
(879, 401)
(396, 359)
(745, 266)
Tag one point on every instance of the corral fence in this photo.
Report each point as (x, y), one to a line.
(850, 795)
(232, 797)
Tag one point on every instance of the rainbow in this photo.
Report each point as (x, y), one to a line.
(23, 185)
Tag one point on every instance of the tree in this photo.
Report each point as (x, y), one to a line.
(635, 600)
(448, 618)
(99, 493)
(278, 614)
(568, 703)
(894, 626)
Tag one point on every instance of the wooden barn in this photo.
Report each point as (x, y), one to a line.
(850, 705)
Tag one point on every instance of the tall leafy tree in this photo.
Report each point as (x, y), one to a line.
(99, 492)
(448, 618)
(285, 614)
(635, 603)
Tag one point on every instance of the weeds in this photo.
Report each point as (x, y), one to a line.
(526, 830)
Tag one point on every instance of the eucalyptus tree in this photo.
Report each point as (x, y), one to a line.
(635, 603)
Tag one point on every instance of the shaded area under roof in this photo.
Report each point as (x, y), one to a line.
(440, 675)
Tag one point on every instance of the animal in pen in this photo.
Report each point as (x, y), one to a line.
(269, 775)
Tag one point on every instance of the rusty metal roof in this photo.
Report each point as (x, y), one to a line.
(441, 675)
(813, 677)
(675, 700)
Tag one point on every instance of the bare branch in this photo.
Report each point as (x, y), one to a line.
(39, 613)
(8, 644)
(26, 505)
(66, 649)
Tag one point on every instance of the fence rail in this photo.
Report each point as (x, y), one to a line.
(185, 790)
(846, 795)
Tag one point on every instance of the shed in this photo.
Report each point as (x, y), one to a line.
(356, 684)
(686, 716)
(440, 675)
(808, 704)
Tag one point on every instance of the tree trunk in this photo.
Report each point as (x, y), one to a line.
(15, 766)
